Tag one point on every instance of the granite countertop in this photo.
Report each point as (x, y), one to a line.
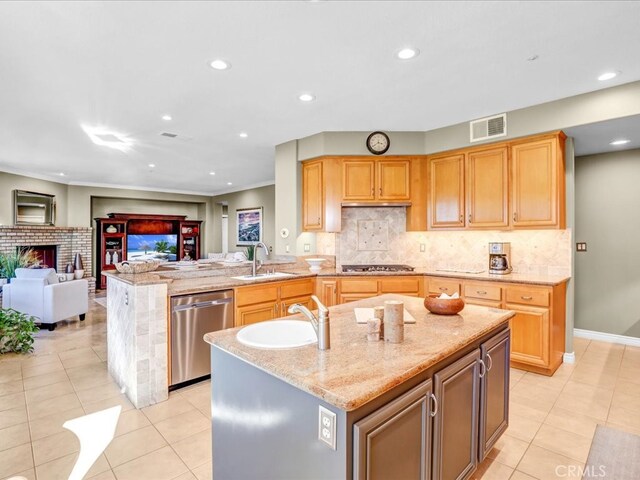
(354, 371)
(217, 277)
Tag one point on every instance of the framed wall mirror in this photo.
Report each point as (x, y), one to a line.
(31, 208)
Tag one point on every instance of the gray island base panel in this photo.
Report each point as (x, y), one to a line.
(439, 422)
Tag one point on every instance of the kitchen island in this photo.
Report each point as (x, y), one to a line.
(430, 407)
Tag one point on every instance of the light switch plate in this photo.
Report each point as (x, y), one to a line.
(581, 246)
(327, 426)
(422, 247)
(307, 247)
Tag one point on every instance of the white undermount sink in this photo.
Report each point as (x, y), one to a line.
(278, 334)
(265, 275)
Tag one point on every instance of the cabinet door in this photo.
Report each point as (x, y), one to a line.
(535, 183)
(358, 180)
(354, 297)
(438, 285)
(328, 292)
(411, 286)
(312, 196)
(446, 192)
(394, 441)
(530, 335)
(393, 180)
(487, 184)
(494, 392)
(455, 434)
(359, 285)
(256, 313)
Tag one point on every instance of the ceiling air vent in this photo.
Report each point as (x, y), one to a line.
(170, 135)
(488, 127)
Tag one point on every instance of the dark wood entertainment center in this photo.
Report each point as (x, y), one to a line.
(111, 237)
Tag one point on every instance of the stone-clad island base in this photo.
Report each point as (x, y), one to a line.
(435, 402)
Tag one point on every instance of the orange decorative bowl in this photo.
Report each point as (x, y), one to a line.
(443, 306)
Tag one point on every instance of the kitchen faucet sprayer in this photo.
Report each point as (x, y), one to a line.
(319, 324)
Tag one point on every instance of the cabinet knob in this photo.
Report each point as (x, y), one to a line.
(434, 401)
(483, 369)
(515, 217)
(318, 220)
(380, 190)
(489, 362)
(461, 218)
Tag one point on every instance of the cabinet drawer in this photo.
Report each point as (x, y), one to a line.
(400, 285)
(482, 291)
(364, 285)
(528, 296)
(444, 286)
(256, 294)
(296, 288)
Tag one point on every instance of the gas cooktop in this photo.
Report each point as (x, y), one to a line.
(377, 268)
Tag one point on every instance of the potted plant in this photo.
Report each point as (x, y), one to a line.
(9, 262)
(16, 331)
(250, 251)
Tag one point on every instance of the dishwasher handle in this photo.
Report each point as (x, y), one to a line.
(209, 303)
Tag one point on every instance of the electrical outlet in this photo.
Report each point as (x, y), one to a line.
(422, 247)
(327, 426)
(307, 247)
(286, 248)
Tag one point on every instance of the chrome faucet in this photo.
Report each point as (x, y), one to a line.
(320, 324)
(255, 257)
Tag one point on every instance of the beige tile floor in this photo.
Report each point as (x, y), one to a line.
(552, 419)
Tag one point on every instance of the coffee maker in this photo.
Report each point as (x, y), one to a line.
(500, 258)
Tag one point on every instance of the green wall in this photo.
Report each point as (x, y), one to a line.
(607, 275)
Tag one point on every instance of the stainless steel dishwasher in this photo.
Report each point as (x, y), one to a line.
(191, 317)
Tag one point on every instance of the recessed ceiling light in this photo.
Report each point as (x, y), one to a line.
(166, 117)
(407, 53)
(61, 174)
(229, 183)
(243, 134)
(212, 173)
(220, 64)
(306, 97)
(532, 58)
(607, 76)
(622, 141)
(152, 165)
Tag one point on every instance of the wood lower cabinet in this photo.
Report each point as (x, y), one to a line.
(455, 430)
(485, 294)
(395, 441)
(327, 291)
(443, 285)
(442, 428)
(494, 392)
(267, 301)
(350, 289)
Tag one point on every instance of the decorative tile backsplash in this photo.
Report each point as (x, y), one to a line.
(532, 251)
(373, 235)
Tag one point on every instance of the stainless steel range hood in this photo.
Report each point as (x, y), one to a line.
(376, 204)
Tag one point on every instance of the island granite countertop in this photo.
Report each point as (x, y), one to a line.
(354, 371)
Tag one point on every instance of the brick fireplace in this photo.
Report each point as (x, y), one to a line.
(65, 242)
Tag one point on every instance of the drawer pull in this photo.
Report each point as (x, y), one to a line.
(528, 297)
(481, 292)
(443, 289)
(434, 411)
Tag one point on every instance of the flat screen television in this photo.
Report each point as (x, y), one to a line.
(152, 247)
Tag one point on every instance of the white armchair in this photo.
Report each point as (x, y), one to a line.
(37, 292)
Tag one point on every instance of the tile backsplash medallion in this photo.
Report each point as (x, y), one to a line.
(537, 252)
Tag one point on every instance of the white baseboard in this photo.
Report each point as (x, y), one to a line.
(606, 337)
(569, 357)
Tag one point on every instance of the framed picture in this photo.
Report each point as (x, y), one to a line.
(249, 226)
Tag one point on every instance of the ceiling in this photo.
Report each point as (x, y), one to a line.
(597, 137)
(123, 65)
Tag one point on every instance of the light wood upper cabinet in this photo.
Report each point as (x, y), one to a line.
(358, 180)
(446, 191)
(537, 182)
(393, 180)
(375, 179)
(312, 196)
(487, 188)
(321, 195)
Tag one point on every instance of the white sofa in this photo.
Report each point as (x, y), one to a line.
(37, 292)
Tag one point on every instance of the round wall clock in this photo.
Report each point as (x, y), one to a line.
(378, 143)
